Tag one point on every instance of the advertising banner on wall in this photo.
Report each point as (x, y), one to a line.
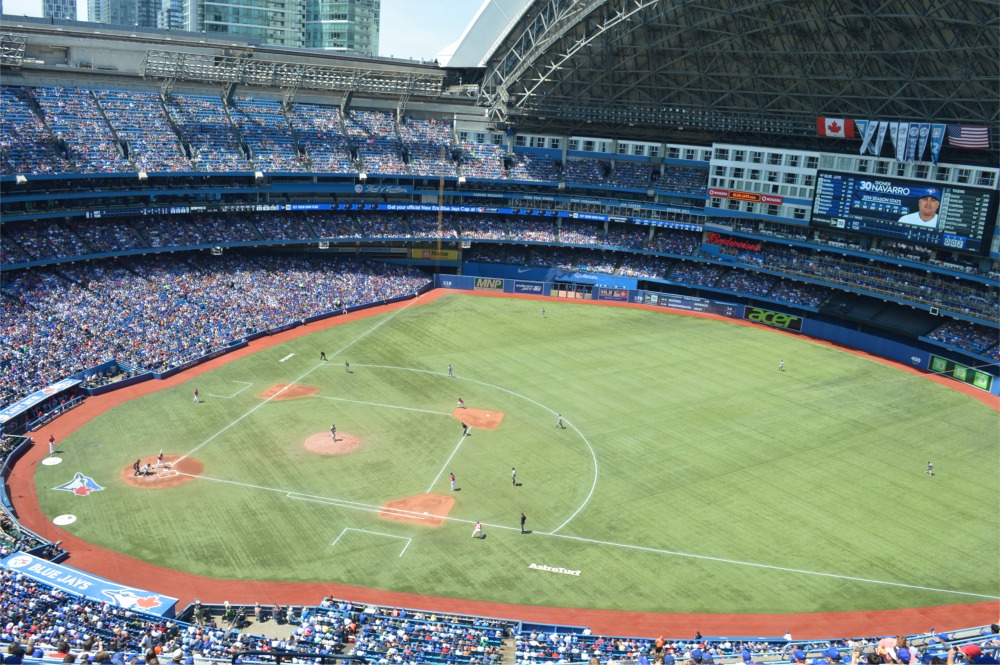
(84, 584)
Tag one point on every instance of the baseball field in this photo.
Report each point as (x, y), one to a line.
(691, 474)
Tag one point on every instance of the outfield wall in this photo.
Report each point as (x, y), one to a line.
(886, 348)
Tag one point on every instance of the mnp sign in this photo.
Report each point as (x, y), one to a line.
(488, 284)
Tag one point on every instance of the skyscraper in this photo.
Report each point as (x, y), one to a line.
(137, 13)
(348, 26)
(171, 15)
(277, 22)
(59, 9)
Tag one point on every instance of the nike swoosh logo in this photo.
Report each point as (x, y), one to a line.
(522, 270)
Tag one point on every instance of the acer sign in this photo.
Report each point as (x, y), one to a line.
(773, 319)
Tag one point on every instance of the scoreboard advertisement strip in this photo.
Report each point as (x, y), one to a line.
(960, 372)
(691, 304)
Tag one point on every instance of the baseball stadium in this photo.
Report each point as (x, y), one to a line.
(635, 331)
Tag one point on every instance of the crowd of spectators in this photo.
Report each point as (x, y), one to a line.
(628, 174)
(204, 124)
(220, 228)
(41, 240)
(141, 121)
(746, 282)
(47, 623)
(154, 313)
(698, 274)
(482, 160)
(430, 225)
(373, 134)
(644, 266)
(428, 144)
(668, 241)
(531, 168)
(285, 226)
(801, 293)
(689, 180)
(586, 171)
(42, 622)
(26, 145)
(627, 236)
(75, 120)
(581, 233)
(321, 134)
(263, 126)
(118, 235)
(482, 227)
(531, 230)
(966, 335)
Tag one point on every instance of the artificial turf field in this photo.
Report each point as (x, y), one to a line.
(693, 476)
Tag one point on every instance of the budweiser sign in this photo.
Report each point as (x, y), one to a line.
(727, 241)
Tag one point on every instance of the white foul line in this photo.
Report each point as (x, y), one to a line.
(296, 380)
(593, 455)
(387, 406)
(445, 466)
(355, 505)
(737, 562)
(245, 386)
(375, 533)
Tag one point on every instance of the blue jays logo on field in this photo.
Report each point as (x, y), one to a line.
(81, 485)
(125, 597)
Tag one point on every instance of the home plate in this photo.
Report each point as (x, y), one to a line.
(63, 520)
(52, 461)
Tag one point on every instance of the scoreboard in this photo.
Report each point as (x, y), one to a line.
(691, 304)
(964, 219)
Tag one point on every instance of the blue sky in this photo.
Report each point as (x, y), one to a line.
(417, 29)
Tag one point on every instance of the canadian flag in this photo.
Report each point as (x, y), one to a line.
(841, 128)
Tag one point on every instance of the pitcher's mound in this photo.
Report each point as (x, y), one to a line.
(325, 445)
(426, 509)
(175, 472)
(288, 391)
(479, 418)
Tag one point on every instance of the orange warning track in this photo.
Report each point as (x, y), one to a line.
(186, 587)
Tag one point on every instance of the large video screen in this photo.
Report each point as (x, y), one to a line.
(951, 216)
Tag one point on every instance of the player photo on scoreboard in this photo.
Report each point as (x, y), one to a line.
(925, 208)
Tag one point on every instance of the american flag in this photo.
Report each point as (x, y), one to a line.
(968, 136)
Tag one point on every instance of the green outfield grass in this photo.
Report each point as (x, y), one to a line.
(693, 475)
